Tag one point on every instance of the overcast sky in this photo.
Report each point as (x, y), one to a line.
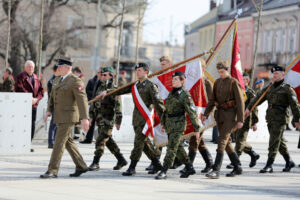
(164, 15)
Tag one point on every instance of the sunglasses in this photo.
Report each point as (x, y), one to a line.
(104, 75)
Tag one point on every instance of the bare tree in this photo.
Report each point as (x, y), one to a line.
(56, 38)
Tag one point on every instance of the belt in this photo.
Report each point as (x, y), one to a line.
(175, 114)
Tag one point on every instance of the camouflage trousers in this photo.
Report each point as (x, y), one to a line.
(224, 140)
(196, 145)
(105, 139)
(175, 149)
(276, 140)
(241, 144)
(63, 139)
(141, 144)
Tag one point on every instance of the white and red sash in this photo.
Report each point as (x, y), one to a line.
(147, 115)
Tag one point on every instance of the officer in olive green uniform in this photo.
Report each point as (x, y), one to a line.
(8, 84)
(228, 97)
(241, 144)
(68, 102)
(280, 96)
(178, 102)
(150, 96)
(107, 112)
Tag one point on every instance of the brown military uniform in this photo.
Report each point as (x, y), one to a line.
(68, 102)
(8, 85)
(228, 97)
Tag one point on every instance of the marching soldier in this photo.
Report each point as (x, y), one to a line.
(197, 144)
(228, 98)
(241, 144)
(68, 102)
(280, 96)
(107, 112)
(178, 102)
(145, 94)
(8, 84)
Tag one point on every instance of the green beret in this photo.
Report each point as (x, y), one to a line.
(108, 69)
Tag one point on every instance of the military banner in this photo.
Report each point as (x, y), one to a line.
(194, 85)
(293, 75)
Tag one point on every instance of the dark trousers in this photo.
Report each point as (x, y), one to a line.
(90, 133)
(51, 132)
(33, 118)
(215, 134)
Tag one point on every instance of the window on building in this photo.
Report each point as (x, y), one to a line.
(247, 56)
(266, 40)
(282, 40)
(292, 39)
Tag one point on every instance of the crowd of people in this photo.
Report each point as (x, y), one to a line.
(234, 114)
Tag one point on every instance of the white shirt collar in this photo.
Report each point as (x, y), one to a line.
(65, 76)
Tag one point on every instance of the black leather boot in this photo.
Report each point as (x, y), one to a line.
(77, 173)
(189, 171)
(192, 155)
(131, 170)
(268, 168)
(150, 167)
(156, 166)
(289, 163)
(121, 162)
(95, 164)
(162, 174)
(254, 157)
(177, 163)
(237, 170)
(215, 173)
(207, 159)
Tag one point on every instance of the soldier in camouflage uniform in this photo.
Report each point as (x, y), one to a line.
(241, 144)
(150, 96)
(178, 102)
(107, 112)
(8, 84)
(280, 96)
(228, 98)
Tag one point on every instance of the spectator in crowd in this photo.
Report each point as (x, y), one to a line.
(29, 82)
(52, 127)
(122, 79)
(91, 89)
(8, 84)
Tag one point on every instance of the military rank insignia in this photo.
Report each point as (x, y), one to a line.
(80, 88)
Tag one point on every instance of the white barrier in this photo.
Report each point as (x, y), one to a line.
(126, 132)
(15, 122)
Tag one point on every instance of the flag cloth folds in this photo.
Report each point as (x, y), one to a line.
(227, 50)
(193, 73)
(292, 76)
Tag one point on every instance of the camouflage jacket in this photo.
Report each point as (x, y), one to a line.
(279, 99)
(253, 118)
(150, 96)
(8, 85)
(179, 102)
(107, 111)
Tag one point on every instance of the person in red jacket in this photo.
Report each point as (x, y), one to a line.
(29, 82)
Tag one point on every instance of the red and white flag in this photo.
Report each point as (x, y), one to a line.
(292, 76)
(193, 73)
(227, 50)
(236, 67)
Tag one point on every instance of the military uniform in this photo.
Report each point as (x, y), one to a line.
(122, 82)
(241, 144)
(68, 102)
(150, 96)
(228, 97)
(178, 102)
(199, 144)
(280, 96)
(8, 85)
(106, 112)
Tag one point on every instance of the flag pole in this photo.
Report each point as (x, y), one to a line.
(156, 73)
